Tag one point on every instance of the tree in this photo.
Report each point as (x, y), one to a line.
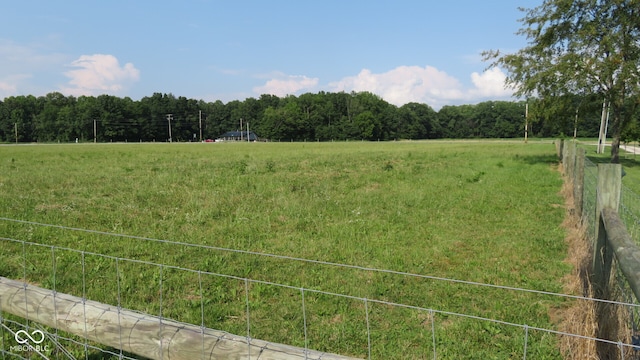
(580, 47)
(416, 121)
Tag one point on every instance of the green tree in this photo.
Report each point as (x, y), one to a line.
(416, 121)
(458, 122)
(48, 125)
(580, 47)
(22, 111)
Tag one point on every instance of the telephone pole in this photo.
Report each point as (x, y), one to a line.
(602, 135)
(15, 126)
(200, 121)
(526, 122)
(95, 136)
(169, 116)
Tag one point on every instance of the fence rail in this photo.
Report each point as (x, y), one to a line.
(141, 334)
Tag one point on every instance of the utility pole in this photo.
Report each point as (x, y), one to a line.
(95, 136)
(200, 121)
(575, 126)
(526, 122)
(602, 135)
(241, 129)
(169, 116)
(15, 126)
(606, 126)
(248, 132)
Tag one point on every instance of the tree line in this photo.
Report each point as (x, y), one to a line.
(322, 116)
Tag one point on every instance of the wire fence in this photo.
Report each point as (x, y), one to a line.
(629, 211)
(330, 322)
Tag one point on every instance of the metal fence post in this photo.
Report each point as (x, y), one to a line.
(607, 196)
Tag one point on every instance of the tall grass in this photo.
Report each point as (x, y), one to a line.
(486, 212)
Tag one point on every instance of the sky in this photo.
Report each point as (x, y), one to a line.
(423, 51)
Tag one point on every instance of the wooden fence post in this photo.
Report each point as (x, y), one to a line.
(578, 182)
(565, 156)
(572, 160)
(607, 196)
(626, 250)
(559, 148)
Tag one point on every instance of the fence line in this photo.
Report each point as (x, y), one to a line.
(157, 337)
(55, 299)
(610, 211)
(304, 260)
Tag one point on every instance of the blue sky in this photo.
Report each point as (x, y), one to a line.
(405, 51)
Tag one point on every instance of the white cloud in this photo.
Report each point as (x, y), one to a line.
(281, 84)
(98, 74)
(490, 83)
(405, 84)
(428, 85)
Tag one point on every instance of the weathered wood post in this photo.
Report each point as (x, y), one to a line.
(578, 182)
(607, 196)
(571, 160)
(141, 334)
(626, 250)
(565, 156)
(559, 148)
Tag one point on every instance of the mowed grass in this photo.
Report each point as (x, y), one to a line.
(486, 212)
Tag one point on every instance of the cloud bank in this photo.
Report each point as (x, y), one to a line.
(281, 85)
(402, 85)
(99, 74)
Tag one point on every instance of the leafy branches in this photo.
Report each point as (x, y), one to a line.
(579, 47)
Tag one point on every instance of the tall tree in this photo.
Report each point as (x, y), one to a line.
(580, 47)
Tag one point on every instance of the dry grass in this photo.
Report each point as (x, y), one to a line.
(585, 317)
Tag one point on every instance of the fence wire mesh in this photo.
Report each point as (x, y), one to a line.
(630, 214)
(629, 211)
(306, 317)
(589, 196)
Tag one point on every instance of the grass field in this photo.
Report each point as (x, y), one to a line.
(487, 212)
(630, 162)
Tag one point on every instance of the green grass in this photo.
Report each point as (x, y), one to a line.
(629, 198)
(630, 163)
(484, 212)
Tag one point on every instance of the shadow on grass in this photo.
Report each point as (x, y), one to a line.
(626, 161)
(113, 353)
(536, 159)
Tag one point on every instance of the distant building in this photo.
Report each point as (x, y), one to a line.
(237, 136)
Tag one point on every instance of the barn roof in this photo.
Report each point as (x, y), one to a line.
(238, 135)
